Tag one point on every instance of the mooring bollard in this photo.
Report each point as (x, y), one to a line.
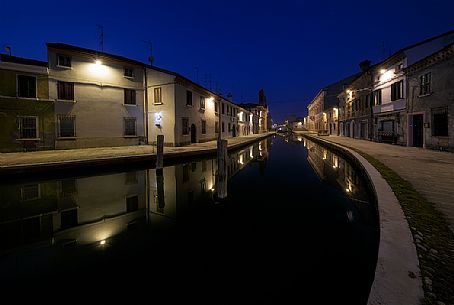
(159, 154)
(221, 177)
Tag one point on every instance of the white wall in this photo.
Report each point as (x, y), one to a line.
(165, 111)
(98, 99)
(195, 115)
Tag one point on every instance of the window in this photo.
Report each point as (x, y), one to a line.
(185, 125)
(65, 91)
(204, 127)
(202, 103)
(367, 101)
(66, 126)
(26, 86)
(440, 121)
(223, 127)
(157, 96)
(204, 166)
(129, 72)
(28, 127)
(223, 105)
(30, 192)
(130, 126)
(132, 203)
(188, 98)
(397, 90)
(216, 127)
(64, 61)
(216, 107)
(377, 97)
(229, 128)
(130, 97)
(424, 84)
(193, 166)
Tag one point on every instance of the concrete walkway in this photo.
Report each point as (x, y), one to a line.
(20, 162)
(430, 172)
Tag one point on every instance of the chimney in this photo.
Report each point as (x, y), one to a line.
(364, 65)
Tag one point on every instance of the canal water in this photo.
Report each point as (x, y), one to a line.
(299, 226)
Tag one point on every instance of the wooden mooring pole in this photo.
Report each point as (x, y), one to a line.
(221, 177)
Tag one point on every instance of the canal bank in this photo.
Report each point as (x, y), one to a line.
(429, 227)
(287, 232)
(43, 162)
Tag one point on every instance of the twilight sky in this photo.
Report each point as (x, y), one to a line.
(291, 49)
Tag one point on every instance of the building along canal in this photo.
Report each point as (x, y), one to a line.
(299, 223)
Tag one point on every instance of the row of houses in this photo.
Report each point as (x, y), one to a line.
(84, 98)
(407, 99)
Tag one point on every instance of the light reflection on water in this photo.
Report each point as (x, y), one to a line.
(179, 212)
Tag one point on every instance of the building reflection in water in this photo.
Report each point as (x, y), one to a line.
(82, 209)
(336, 171)
(90, 210)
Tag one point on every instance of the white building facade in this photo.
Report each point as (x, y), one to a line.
(99, 99)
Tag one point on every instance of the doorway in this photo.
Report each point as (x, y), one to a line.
(193, 134)
(418, 130)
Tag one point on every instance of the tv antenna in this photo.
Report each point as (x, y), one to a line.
(150, 57)
(101, 36)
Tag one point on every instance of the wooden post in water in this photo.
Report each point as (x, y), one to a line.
(221, 183)
(159, 154)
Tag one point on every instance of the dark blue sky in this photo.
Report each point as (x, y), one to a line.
(289, 48)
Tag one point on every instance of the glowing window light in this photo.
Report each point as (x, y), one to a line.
(102, 242)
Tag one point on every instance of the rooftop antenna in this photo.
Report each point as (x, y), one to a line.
(101, 36)
(150, 57)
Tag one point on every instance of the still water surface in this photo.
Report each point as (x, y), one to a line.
(299, 224)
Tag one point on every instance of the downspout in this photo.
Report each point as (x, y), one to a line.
(146, 105)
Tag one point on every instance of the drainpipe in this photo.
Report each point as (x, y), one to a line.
(146, 105)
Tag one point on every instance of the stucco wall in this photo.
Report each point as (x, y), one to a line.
(195, 115)
(442, 87)
(98, 100)
(166, 111)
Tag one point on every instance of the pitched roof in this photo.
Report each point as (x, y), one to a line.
(415, 45)
(333, 90)
(249, 105)
(22, 61)
(64, 46)
(438, 56)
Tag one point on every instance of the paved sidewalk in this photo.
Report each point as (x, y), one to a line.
(47, 158)
(430, 172)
